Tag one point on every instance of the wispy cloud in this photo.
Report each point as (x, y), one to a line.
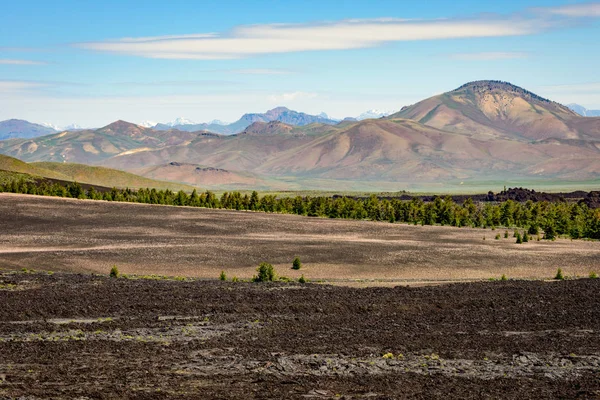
(260, 71)
(246, 41)
(201, 83)
(575, 88)
(291, 96)
(487, 56)
(20, 86)
(6, 61)
(576, 10)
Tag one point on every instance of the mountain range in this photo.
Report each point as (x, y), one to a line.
(281, 114)
(483, 131)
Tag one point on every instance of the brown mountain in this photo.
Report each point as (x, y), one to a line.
(500, 109)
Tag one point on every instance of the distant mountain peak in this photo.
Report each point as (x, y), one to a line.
(18, 128)
(121, 126)
(584, 112)
(490, 85)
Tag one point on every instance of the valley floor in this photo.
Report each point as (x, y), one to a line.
(67, 336)
(46, 233)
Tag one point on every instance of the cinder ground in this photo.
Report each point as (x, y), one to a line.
(46, 233)
(83, 336)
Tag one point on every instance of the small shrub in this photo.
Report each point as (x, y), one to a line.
(533, 230)
(388, 356)
(302, 279)
(266, 273)
(525, 237)
(505, 234)
(519, 239)
(497, 237)
(223, 277)
(234, 279)
(503, 277)
(559, 275)
(114, 272)
(593, 275)
(515, 233)
(296, 264)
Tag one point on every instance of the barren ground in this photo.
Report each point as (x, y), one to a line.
(66, 336)
(45, 233)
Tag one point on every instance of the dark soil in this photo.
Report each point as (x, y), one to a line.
(87, 336)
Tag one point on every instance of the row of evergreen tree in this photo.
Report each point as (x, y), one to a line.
(553, 218)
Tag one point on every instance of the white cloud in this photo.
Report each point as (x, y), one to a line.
(576, 10)
(487, 56)
(6, 61)
(292, 96)
(254, 40)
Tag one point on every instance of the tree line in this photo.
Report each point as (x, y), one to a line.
(575, 220)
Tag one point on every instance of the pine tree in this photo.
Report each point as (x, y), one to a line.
(296, 264)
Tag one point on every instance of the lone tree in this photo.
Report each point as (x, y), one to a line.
(223, 277)
(114, 272)
(559, 275)
(519, 240)
(296, 264)
(266, 273)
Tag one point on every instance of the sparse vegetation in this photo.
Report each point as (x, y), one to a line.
(301, 279)
(519, 239)
(503, 277)
(593, 275)
(223, 277)
(114, 272)
(559, 275)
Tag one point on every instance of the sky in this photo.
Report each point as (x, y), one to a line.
(94, 62)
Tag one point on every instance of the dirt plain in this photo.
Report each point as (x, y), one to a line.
(45, 233)
(66, 336)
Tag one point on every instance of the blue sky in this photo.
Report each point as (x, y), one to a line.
(91, 63)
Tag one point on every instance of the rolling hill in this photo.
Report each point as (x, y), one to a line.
(200, 176)
(98, 176)
(482, 131)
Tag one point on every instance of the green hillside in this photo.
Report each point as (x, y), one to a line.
(15, 165)
(106, 176)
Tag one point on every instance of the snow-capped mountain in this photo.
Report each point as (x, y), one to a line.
(218, 122)
(51, 126)
(148, 124)
(180, 121)
(70, 127)
(374, 114)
